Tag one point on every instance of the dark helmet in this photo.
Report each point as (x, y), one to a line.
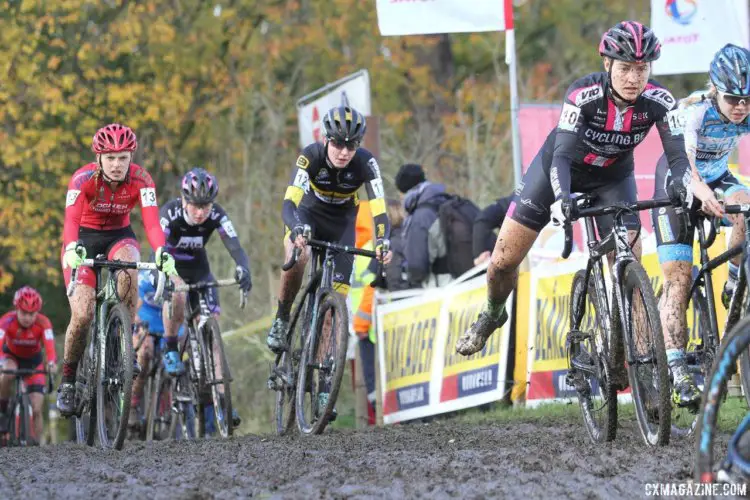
(730, 70)
(343, 123)
(199, 187)
(630, 41)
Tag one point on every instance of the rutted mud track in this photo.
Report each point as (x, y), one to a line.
(440, 460)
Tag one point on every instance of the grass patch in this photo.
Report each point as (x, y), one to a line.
(731, 413)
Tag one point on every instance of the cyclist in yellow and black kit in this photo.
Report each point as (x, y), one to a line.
(323, 194)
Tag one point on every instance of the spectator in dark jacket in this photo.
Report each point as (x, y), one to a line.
(483, 233)
(421, 202)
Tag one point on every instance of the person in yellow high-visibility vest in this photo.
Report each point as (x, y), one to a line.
(361, 295)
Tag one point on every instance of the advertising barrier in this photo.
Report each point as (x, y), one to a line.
(421, 374)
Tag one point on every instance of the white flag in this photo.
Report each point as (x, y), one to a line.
(691, 31)
(425, 17)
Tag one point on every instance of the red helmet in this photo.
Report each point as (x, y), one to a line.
(27, 299)
(114, 138)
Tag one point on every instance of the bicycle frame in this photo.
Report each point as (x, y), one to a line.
(707, 265)
(598, 249)
(202, 314)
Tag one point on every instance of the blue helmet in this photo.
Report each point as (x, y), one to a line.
(730, 70)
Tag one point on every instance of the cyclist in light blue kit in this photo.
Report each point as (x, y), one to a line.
(148, 320)
(714, 121)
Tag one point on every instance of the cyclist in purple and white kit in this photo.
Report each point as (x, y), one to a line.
(604, 117)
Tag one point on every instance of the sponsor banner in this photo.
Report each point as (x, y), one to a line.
(548, 328)
(691, 31)
(421, 373)
(409, 17)
(354, 89)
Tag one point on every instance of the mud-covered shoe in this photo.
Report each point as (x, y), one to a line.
(276, 335)
(685, 393)
(66, 396)
(474, 339)
(173, 364)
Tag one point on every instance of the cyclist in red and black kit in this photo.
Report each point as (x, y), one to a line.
(97, 216)
(604, 117)
(23, 333)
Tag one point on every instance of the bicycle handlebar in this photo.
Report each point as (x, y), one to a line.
(307, 233)
(22, 372)
(580, 213)
(202, 285)
(119, 264)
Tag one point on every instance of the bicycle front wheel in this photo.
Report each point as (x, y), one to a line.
(218, 377)
(287, 367)
(647, 357)
(115, 382)
(24, 421)
(589, 371)
(322, 365)
(735, 343)
(86, 376)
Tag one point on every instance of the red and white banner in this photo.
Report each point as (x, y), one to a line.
(691, 31)
(426, 17)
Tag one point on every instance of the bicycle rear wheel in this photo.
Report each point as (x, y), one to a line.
(647, 357)
(115, 384)
(588, 364)
(86, 376)
(736, 342)
(182, 424)
(287, 366)
(322, 364)
(218, 377)
(159, 417)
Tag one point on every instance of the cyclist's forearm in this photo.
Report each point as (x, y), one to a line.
(238, 254)
(154, 231)
(559, 176)
(290, 214)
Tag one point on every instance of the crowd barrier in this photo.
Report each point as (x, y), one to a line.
(421, 374)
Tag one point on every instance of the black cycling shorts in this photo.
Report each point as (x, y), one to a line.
(337, 225)
(674, 229)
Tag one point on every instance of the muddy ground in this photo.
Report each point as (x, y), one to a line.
(442, 459)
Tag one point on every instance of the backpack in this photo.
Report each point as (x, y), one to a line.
(456, 216)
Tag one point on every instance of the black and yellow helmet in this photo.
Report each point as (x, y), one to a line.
(343, 123)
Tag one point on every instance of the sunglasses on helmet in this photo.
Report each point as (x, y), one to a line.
(735, 100)
(350, 145)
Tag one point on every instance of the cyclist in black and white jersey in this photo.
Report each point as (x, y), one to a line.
(188, 223)
(604, 117)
